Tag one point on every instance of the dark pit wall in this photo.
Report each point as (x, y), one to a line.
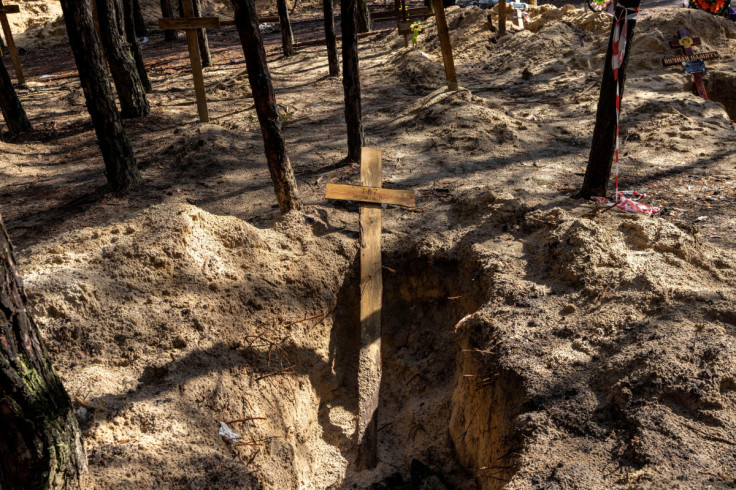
(423, 300)
(721, 87)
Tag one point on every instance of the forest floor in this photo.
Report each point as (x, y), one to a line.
(529, 339)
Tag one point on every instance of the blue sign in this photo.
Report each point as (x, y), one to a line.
(692, 67)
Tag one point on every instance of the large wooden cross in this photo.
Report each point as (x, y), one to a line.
(4, 11)
(691, 61)
(189, 23)
(371, 196)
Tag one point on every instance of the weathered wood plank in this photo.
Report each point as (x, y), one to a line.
(188, 11)
(370, 194)
(371, 288)
(11, 9)
(193, 23)
(444, 35)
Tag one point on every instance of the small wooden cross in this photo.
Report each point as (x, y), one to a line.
(371, 195)
(692, 62)
(4, 11)
(518, 13)
(189, 23)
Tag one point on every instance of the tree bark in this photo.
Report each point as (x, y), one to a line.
(351, 80)
(362, 16)
(167, 12)
(124, 72)
(603, 146)
(204, 44)
(121, 169)
(140, 24)
(330, 38)
(40, 442)
(284, 182)
(135, 45)
(12, 109)
(287, 36)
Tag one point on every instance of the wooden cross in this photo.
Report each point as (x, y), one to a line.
(518, 12)
(4, 11)
(189, 23)
(371, 195)
(692, 62)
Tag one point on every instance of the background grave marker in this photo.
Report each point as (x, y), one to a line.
(190, 24)
(690, 59)
(371, 196)
(444, 34)
(4, 11)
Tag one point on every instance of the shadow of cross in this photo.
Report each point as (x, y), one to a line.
(371, 196)
(189, 23)
(692, 62)
(4, 11)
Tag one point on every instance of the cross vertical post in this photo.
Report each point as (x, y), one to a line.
(4, 11)
(371, 287)
(444, 34)
(190, 24)
(371, 195)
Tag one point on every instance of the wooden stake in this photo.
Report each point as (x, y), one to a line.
(190, 24)
(204, 116)
(4, 10)
(371, 287)
(371, 195)
(444, 33)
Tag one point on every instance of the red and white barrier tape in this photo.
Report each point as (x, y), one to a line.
(630, 204)
(620, 34)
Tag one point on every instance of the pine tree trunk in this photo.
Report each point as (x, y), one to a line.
(167, 12)
(204, 44)
(10, 105)
(124, 72)
(362, 16)
(287, 36)
(284, 182)
(330, 38)
(351, 79)
(40, 442)
(603, 146)
(121, 169)
(135, 45)
(140, 24)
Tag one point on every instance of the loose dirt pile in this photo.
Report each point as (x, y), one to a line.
(529, 340)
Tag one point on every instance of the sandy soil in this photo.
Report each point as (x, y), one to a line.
(529, 339)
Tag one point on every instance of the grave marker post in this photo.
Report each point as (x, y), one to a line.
(444, 34)
(189, 23)
(371, 196)
(691, 61)
(4, 11)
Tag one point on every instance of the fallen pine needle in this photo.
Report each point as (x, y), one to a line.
(253, 457)
(236, 421)
(274, 374)
(710, 436)
(305, 319)
(462, 320)
(125, 441)
(83, 403)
